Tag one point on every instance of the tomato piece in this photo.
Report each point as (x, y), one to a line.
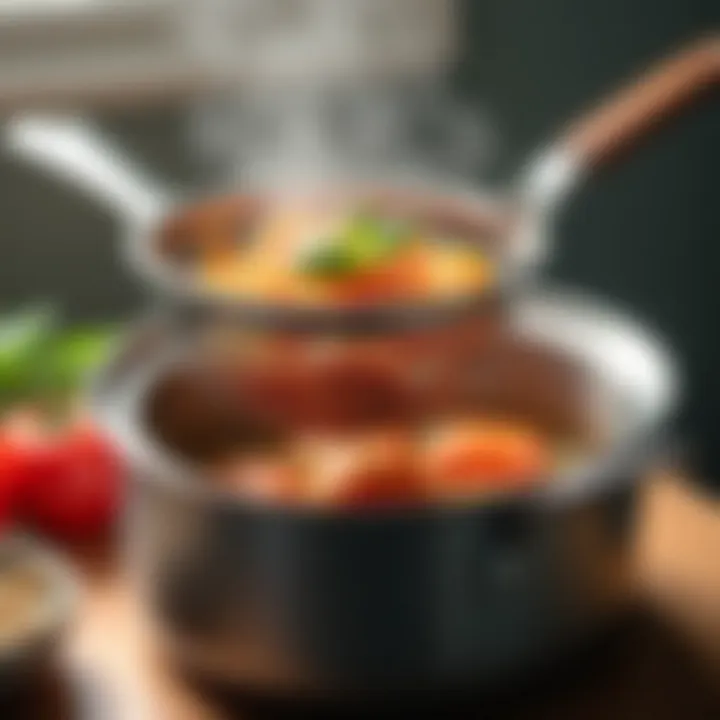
(369, 471)
(474, 456)
(404, 277)
(74, 488)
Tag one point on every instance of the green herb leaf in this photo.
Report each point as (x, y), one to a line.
(328, 260)
(24, 340)
(373, 240)
(74, 355)
(367, 241)
(40, 363)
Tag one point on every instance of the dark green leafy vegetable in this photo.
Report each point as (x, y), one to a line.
(328, 259)
(24, 340)
(75, 354)
(373, 240)
(366, 242)
(39, 362)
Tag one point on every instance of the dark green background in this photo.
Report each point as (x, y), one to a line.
(646, 233)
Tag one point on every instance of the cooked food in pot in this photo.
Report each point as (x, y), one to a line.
(308, 254)
(369, 469)
(318, 381)
(374, 422)
(467, 456)
(447, 460)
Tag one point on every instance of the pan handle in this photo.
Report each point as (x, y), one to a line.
(73, 150)
(599, 136)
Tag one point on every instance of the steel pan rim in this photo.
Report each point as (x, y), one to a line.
(118, 406)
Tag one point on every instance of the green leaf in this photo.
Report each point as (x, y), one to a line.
(373, 240)
(24, 337)
(328, 260)
(74, 355)
(366, 241)
(40, 363)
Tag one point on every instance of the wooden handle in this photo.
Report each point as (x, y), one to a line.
(653, 98)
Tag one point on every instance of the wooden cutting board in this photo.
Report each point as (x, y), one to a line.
(112, 672)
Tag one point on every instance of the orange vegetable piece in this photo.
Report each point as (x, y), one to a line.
(477, 455)
(378, 469)
(403, 278)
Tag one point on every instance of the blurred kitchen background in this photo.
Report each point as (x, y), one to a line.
(644, 234)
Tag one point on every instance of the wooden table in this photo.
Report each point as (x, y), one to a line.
(661, 666)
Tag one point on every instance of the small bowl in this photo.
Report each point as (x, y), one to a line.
(28, 645)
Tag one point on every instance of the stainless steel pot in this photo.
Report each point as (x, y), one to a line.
(329, 602)
(323, 602)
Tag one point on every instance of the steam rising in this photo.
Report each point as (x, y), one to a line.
(333, 91)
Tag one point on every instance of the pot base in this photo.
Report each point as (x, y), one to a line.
(273, 687)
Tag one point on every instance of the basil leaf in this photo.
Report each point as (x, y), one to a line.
(328, 260)
(366, 241)
(374, 240)
(74, 355)
(24, 339)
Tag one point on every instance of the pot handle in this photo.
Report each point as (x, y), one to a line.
(601, 135)
(72, 150)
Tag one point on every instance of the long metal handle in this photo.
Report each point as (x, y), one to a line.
(73, 150)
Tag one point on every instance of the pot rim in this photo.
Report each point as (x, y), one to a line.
(516, 263)
(120, 414)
